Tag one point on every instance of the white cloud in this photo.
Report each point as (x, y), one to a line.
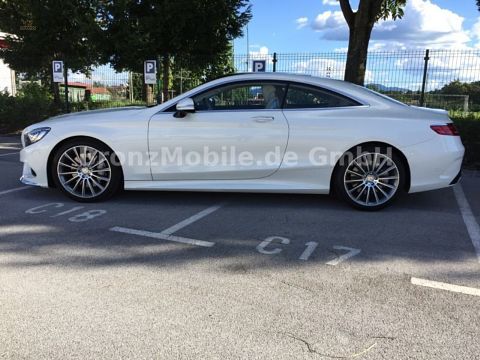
(329, 20)
(425, 24)
(326, 68)
(331, 2)
(475, 33)
(302, 22)
(262, 52)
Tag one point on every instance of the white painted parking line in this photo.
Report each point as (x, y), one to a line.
(167, 233)
(14, 190)
(468, 218)
(351, 252)
(445, 286)
(9, 154)
(161, 236)
(191, 220)
(10, 148)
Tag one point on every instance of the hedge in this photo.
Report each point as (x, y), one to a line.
(469, 127)
(32, 104)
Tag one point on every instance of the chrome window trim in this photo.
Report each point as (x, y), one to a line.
(329, 108)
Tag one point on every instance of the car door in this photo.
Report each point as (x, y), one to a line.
(238, 131)
(323, 124)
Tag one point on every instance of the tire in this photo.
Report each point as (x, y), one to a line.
(370, 177)
(86, 170)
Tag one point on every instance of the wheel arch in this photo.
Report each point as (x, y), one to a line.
(50, 174)
(376, 143)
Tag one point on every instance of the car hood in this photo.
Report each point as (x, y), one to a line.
(98, 115)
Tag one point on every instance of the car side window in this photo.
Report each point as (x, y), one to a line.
(306, 97)
(242, 96)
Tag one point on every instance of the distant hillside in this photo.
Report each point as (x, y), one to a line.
(386, 89)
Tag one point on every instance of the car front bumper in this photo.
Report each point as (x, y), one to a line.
(35, 163)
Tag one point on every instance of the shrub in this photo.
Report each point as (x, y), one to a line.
(469, 127)
(33, 103)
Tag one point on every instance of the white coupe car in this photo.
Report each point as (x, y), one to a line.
(250, 133)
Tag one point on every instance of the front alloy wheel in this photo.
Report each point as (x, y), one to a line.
(84, 171)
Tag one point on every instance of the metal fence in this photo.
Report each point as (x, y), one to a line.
(414, 77)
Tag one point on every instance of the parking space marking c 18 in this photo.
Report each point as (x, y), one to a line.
(81, 217)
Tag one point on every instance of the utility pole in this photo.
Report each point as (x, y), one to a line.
(65, 74)
(248, 49)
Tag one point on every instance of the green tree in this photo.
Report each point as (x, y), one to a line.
(478, 4)
(41, 31)
(195, 32)
(457, 87)
(361, 23)
(193, 71)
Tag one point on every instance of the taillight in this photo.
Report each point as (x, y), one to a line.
(447, 129)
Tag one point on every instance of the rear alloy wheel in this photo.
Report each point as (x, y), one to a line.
(84, 171)
(372, 180)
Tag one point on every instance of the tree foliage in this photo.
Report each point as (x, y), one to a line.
(361, 23)
(41, 31)
(457, 87)
(195, 31)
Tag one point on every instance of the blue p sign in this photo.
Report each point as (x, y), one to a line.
(150, 69)
(259, 65)
(57, 67)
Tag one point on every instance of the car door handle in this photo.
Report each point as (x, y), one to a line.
(263, 119)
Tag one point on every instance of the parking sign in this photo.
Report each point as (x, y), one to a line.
(57, 67)
(259, 65)
(150, 71)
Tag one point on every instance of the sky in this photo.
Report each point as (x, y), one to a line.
(287, 26)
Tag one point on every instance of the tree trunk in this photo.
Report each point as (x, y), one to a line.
(357, 54)
(361, 25)
(166, 76)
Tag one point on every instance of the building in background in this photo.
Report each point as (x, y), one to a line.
(100, 94)
(76, 91)
(7, 75)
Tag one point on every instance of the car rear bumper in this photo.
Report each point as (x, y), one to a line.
(435, 164)
(457, 178)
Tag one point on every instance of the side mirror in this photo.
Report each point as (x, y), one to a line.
(184, 107)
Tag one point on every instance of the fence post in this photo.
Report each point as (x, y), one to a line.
(130, 86)
(466, 101)
(424, 81)
(275, 60)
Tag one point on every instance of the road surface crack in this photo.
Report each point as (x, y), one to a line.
(312, 350)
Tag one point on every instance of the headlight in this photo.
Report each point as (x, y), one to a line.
(35, 135)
